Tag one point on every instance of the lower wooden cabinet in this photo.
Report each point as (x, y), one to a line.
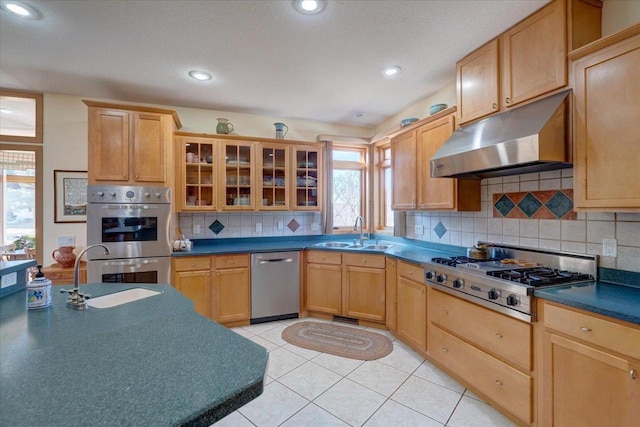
(324, 282)
(590, 370)
(391, 272)
(411, 306)
(64, 276)
(231, 289)
(192, 278)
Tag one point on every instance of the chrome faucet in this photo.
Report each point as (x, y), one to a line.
(355, 228)
(76, 299)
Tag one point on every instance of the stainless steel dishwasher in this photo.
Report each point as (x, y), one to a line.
(275, 286)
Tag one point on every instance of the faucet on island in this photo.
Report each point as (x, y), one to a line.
(76, 299)
(355, 228)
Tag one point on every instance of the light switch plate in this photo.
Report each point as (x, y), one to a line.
(610, 247)
(280, 225)
(258, 226)
(419, 230)
(66, 241)
(196, 228)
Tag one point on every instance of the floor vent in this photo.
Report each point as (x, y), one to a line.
(345, 320)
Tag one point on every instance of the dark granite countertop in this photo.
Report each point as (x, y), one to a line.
(153, 362)
(617, 301)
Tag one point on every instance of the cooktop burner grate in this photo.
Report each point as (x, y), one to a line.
(539, 276)
(453, 261)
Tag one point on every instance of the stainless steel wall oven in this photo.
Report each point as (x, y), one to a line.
(134, 223)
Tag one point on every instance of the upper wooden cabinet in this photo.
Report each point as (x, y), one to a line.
(273, 176)
(606, 166)
(526, 61)
(237, 171)
(196, 165)
(413, 188)
(307, 179)
(130, 144)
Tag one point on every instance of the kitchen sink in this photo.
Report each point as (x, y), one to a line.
(377, 247)
(332, 245)
(122, 297)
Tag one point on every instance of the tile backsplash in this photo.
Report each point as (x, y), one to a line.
(222, 225)
(583, 234)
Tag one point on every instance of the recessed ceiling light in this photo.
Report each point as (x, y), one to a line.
(200, 75)
(21, 10)
(391, 71)
(359, 115)
(309, 7)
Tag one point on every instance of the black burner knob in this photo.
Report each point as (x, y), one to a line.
(494, 294)
(430, 274)
(458, 283)
(441, 278)
(512, 300)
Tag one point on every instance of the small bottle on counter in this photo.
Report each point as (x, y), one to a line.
(39, 291)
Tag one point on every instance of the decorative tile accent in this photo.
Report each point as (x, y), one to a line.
(547, 204)
(440, 229)
(216, 226)
(503, 204)
(293, 225)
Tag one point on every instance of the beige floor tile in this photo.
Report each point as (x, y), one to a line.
(259, 328)
(234, 419)
(431, 373)
(282, 361)
(403, 358)
(350, 402)
(469, 393)
(274, 335)
(379, 377)
(274, 406)
(263, 342)
(430, 399)
(314, 416)
(310, 380)
(473, 413)
(340, 365)
(382, 332)
(394, 414)
(243, 332)
(304, 352)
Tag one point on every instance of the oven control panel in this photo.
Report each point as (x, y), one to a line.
(127, 194)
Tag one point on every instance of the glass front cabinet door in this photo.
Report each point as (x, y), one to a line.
(307, 178)
(198, 163)
(237, 175)
(273, 177)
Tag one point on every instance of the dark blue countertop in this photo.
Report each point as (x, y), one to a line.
(617, 301)
(8, 267)
(153, 361)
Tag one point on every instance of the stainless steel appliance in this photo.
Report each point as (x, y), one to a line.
(133, 222)
(506, 282)
(531, 138)
(275, 286)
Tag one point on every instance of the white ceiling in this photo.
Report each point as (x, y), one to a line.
(265, 57)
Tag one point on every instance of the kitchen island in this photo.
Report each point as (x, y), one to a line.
(153, 361)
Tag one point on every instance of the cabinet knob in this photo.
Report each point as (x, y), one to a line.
(232, 262)
(632, 374)
(136, 177)
(445, 349)
(498, 382)
(445, 312)
(507, 100)
(498, 336)
(585, 329)
(365, 261)
(124, 176)
(494, 105)
(422, 291)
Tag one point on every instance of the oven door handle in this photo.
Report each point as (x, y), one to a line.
(131, 262)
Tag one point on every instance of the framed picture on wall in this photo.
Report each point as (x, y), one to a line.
(70, 196)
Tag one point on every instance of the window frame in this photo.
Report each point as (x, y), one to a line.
(382, 163)
(38, 97)
(362, 166)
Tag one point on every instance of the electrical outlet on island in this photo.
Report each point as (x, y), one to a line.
(610, 247)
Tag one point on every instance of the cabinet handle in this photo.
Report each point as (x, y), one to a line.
(218, 274)
(136, 177)
(632, 374)
(124, 176)
(410, 272)
(507, 100)
(498, 336)
(445, 312)
(445, 349)
(494, 105)
(232, 262)
(585, 329)
(498, 382)
(365, 261)
(422, 290)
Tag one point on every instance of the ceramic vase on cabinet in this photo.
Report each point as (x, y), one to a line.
(64, 256)
(224, 126)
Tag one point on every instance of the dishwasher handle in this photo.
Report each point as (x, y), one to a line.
(269, 261)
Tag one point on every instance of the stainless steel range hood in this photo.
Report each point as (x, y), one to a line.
(531, 138)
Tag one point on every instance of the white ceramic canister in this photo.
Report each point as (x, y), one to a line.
(39, 291)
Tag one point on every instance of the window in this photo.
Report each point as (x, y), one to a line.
(21, 114)
(349, 186)
(18, 195)
(384, 214)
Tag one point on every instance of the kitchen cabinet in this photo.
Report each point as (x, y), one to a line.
(308, 179)
(607, 124)
(411, 153)
(364, 286)
(192, 278)
(324, 282)
(197, 163)
(237, 168)
(526, 61)
(391, 271)
(590, 369)
(495, 359)
(231, 298)
(411, 302)
(60, 275)
(273, 176)
(130, 145)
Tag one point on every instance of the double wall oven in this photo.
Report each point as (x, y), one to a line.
(133, 222)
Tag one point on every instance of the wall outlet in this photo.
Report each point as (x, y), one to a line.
(66, 240)
(610, 247)
(258, 226)
(196, 228)
(419, 230)
(280, 225)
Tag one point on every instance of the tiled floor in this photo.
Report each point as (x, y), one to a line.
(308, 388)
